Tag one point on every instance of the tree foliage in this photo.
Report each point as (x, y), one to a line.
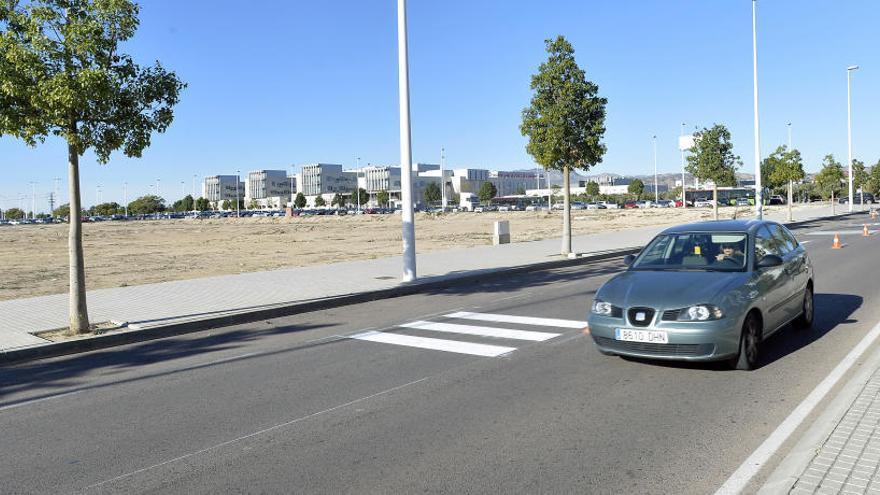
(565, 121)
(487, 192)
(712, 157)
(337, 200)
(636, 188)
(873, 182)
(382, 197)
(319, 201)
(829, 180)
(184, 204)
(860, 175)
(62, 211)
(14, 214)
(146, 205)
(360, 194)
(105, 209)
(781, 167)
(300, 200)
(432, 193)
(592, 189)
(202, 204)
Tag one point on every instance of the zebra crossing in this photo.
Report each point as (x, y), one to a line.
(427, 331)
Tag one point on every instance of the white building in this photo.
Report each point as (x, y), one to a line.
(326, 180)
(512, 183)
(267, 189)
(219, 188)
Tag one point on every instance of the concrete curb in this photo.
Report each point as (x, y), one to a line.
(275, 311)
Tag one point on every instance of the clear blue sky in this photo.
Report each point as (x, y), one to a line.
(276, 83)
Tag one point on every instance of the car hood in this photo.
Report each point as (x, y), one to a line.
(669, 289)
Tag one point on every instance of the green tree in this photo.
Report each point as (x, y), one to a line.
(184, 204)
(62, 211)
(592, 189)
(636, 187)
(62, 73)
(860, 178)
(565, 121)
(253, 205)
(432, 193)
(382, 198)
(487, 192)
(319, 201)
(829, 180)
(146, 205)
(14, 214)
(786, 167)
(873, 182)
(712, 159)
(300, 200)
(227, 205)
(202, 204)
(364, 196)
(520, 191)
(106, 209)
(337, 200)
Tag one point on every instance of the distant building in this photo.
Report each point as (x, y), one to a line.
(326, 180)
(219, 188)
(268, 189)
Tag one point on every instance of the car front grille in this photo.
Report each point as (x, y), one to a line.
(649, 316)
(660, 350)
(670, 315)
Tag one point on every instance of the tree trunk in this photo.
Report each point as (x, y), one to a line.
(566, 213)
(790, 197)
(832, 203)
(79, 316)
(714, 201)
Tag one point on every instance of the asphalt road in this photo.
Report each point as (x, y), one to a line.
(295, 405)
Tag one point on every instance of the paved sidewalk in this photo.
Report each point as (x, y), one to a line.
(165, 303)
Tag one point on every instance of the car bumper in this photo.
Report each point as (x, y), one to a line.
(687, 341)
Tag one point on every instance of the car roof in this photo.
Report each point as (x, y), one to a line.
(719, 226)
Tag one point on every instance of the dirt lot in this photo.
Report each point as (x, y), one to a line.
(140, 252)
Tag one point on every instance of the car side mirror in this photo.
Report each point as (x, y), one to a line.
(628, 259)
(769, 261)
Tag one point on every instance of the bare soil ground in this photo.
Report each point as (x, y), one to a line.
(117, 254)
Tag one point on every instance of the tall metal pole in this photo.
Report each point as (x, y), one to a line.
(849, 131)
(409, 232)
(357, 186)
(125, 197)
(759, 192)
(194, 187)
(237, 205)
(681, 146)
(442, 179)
(790, 182)
(656, 191)
(33, 200)
(158, 191)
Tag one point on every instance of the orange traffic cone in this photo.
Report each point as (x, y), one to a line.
(865, 231)
(836, 244)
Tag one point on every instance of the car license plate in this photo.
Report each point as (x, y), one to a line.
(649, 336)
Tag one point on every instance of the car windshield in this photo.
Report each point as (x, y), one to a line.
(702, 251)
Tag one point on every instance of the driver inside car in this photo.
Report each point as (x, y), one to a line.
(730, 252)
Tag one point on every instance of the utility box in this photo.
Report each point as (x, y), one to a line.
(502, 232)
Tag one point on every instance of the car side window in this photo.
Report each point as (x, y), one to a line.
(783, 244)
(765, 244)
(789, 238)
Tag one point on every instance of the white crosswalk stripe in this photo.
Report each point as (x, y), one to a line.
(523, 320)
(503, 333)
(435, 344)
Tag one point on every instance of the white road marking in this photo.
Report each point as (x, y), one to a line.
(435, 344)
(751, 466)
(523, 320)
(502, 333)
(34, 401)
(256, 433)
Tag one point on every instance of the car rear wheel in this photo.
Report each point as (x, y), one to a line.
(805, 320)
(749, 344)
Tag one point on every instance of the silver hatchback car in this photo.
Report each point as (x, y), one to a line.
(705, 292)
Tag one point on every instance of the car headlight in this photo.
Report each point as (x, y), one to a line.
(603, 308)
(700, 312)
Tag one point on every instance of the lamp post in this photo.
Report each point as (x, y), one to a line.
(409, 231)
(759, 192)
(681, 147)
(656, 191)
(790, 182)
(442, 180)
(357, 185)
(849, 71)
(158, 191)
(237, 205)
(33, 200)
(125, 197)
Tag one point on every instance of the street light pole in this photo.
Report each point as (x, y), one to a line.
(237, 205)
(33, 200)
(759, 192)
(790, 182)
(357, 185)
(158, 191)
(656, 191)
(681, 147)
(849, 71)
(125, 197)
(442, 180)
(409, 232)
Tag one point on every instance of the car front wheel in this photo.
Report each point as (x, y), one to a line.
(805, 320)
(749, 344)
